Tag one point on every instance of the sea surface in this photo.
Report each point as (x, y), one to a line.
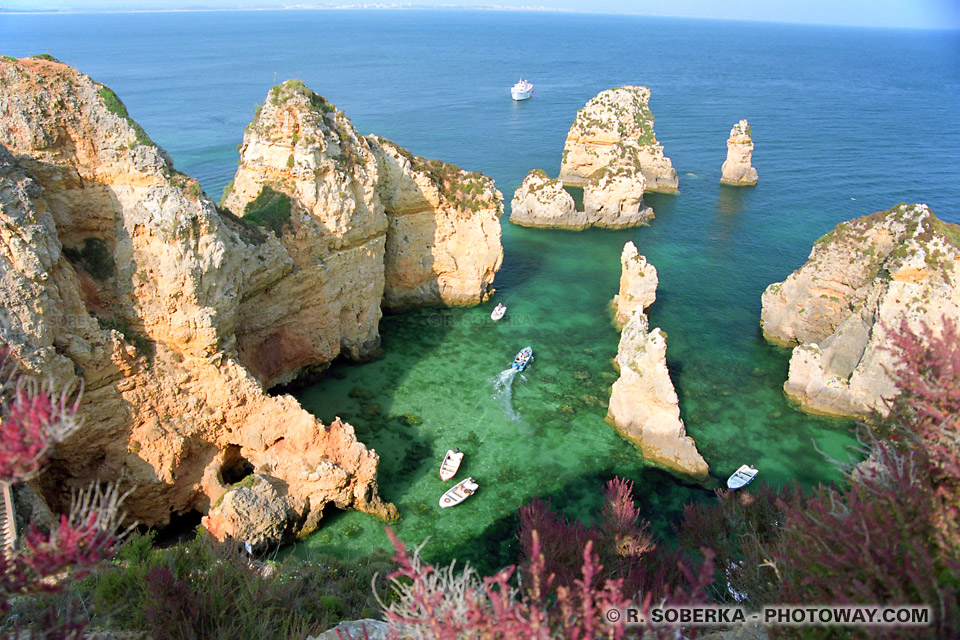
(845, 121)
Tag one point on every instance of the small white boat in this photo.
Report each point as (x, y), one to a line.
(522, 90)
(498, 312)
(451, 462)
(743, 476)
(460, 492)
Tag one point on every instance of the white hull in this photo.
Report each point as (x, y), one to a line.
(498, 312)
(521, 95)
(459, 493)
(742, 477)
(450, 465)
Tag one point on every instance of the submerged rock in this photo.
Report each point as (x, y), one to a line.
(737, 170)
(644, 406)
(860, 280)
(615, 131)
(122, 275)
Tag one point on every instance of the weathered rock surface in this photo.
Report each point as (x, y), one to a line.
(638, 284)
(839, 307)
(737, 169)
(118, 272)
(368, 629)
(443, 237)
(644, 406)
(615, 131)
(613, 198)
(542, 202)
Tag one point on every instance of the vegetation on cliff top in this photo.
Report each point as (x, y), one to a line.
(115, 106)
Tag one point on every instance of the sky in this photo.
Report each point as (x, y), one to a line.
(923, 14)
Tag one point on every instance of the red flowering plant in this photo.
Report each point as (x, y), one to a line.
(33, 418)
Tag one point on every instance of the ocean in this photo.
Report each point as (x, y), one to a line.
(845, 122)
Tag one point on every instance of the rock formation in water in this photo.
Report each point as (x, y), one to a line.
(613, 199)
(638, 284)
(443, 235)
(644, 406)
(860, 280)
(542, 202)
(367, 218)
(737, 170)
(120, 274)
(615, 131)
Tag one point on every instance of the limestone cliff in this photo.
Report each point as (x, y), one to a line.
(638, 284)
(644, 406)
(309, 179)
(542, 202)
(615, 131)
(443, 237)
(737, 169)
(613, 198)
(363, 217)
(859, 281)
(118, 272)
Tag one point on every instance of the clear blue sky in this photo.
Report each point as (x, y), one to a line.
(884, 13)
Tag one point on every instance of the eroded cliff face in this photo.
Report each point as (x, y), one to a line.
(308, 177)
(443, 239)
(615, 131)
(839, 307)
(542, 202)
(613, 199)
(120, 274)
(644, 406)
(737, 170)
(638, 284)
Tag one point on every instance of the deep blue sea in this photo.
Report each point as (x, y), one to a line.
(845, 121)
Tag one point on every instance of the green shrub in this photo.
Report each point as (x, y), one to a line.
(142, 344)
(45, 56)
(271, 209)
(115, 106)
(94, 257)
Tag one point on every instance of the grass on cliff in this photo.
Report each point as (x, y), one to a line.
(115, 106)
(270, 209)
(204, 589)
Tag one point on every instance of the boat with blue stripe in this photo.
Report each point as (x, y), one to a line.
(523, 358)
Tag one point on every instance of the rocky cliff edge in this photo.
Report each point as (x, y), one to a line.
(859, 281)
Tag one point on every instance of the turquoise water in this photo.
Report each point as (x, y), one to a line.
(846, 122)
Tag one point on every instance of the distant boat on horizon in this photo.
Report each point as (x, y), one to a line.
(522, 90)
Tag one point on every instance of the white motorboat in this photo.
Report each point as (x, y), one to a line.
(460, 492)
(498, 312)
(742, 477)
(451, 462)
(522, 90)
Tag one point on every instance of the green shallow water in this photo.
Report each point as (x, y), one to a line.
(549, 439)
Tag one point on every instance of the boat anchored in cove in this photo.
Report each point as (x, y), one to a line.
(522, 90)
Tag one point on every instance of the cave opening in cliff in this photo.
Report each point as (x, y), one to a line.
(235, 467)
(577, 194)
(181, 528)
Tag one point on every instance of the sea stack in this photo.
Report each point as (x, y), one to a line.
(860, 281)
(737, 170)
(612, 199)
(644, 406)
(638, 284)
(614, 131)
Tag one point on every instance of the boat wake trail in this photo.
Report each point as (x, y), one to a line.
(503, 392)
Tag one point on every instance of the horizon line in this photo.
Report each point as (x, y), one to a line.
(421, 7)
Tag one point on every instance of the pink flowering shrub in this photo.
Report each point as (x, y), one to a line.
(32, 419)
